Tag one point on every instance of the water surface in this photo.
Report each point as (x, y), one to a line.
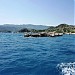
(34, 56)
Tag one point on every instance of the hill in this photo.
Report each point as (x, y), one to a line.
(62, 28)
(16, 28)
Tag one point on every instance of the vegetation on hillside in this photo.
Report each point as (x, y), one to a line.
(24, 30)
(62, 28)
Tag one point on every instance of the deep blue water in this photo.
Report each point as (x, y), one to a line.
(34, 56)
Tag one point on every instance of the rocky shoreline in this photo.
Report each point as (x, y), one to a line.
(43, 34)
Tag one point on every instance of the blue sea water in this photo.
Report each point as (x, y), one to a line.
(34, 56)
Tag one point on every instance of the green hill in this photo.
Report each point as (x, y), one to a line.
(64, 28)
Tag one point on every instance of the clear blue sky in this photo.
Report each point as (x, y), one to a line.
(46, 12)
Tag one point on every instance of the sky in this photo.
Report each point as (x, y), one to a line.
(40, 12)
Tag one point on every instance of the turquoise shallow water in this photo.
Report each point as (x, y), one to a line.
(34, 56)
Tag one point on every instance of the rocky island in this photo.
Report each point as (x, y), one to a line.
(51, 31)
(43, 34)
(38, 30)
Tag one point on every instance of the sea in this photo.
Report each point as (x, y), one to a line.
(21, 55)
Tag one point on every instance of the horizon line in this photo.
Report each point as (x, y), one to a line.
(34, 24)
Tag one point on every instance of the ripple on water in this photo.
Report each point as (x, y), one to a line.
(36, 56)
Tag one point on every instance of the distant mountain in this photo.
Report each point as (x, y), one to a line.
(62, 28)
(15, 28)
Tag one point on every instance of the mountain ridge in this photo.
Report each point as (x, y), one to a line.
(15, 28)
(37, 28)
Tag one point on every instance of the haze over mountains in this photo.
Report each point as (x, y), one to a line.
(37, 28)
(15, 28)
